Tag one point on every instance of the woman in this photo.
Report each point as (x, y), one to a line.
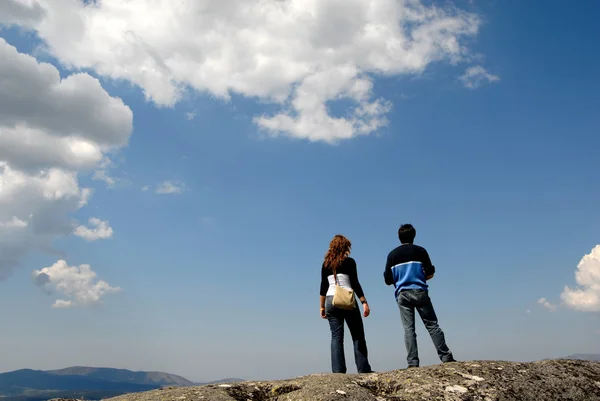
(338, 263)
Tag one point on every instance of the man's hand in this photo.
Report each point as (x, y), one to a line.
(366, 310)
(323, 314)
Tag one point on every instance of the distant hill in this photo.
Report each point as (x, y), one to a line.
(28, 382)
(81, 382)
(585, 357)
(124, 376)
(230, 380)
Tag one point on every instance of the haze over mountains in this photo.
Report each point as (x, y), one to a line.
(124, 376)
(585, 357)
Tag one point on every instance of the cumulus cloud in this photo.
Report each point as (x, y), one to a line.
(99, 230)
(74, 117)
(78, 284)
(300, 55)
(51, 130)
(170, 188)
(544, 302)
(586, 297)
(20, 12)
(15, 222)
(475, 76)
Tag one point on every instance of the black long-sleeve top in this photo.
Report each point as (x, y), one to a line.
(347, 275)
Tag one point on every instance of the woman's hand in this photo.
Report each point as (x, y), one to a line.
(323, 314)
(366, 310)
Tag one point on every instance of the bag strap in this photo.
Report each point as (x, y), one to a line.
(335, 277)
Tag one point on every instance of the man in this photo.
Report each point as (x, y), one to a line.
(408, 267)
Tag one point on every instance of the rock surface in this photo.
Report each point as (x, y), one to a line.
(476, 380)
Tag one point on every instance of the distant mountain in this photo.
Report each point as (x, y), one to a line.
(124, 376)
(27, 382)
(585, 357)
(81, 382)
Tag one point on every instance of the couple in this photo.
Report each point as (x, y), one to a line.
(408, 267)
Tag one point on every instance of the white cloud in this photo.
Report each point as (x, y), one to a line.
(15, 222)
(102, 175)
(62, 304)
(145, 188)
(586, 298)
(474, 77)
(51, 130)
(20, 12)
(301, 55)
(190, 115)
(79, 284)
(42, 202)
(99, 230)
(74, 116)
(544, 302)
(170, 188)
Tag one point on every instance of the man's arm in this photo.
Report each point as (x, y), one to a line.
(388, 276)
(428, 267)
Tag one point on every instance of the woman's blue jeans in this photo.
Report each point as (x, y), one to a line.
(353, 319)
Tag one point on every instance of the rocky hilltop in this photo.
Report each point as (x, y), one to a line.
(476, 380)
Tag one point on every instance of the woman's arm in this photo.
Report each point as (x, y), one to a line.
(353, 273)
(323, 291)
(324, 282)
(354, 282)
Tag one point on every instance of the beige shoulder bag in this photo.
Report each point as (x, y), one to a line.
(343, 298)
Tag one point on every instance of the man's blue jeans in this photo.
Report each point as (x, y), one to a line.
(336, 317)
(408, 301)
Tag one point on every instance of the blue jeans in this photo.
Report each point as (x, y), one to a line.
(336, 317)
(408, 301)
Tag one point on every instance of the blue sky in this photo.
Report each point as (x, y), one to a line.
(220, 279)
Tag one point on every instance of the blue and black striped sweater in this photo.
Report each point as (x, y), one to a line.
(407, 268)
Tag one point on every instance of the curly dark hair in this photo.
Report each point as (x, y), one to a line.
(339, 249)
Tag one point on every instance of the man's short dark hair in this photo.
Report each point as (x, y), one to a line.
(407, 233)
